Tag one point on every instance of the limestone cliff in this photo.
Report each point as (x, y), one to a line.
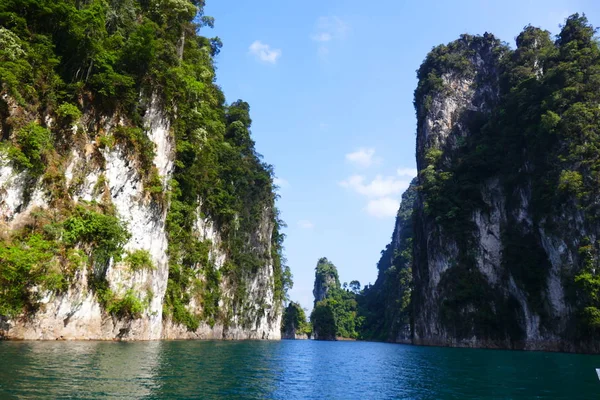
(133, 204)
(76, 312)
(322, 317)
(505, 238)
(91, 173)
(503, 235)
(326, 279)
(444, 114)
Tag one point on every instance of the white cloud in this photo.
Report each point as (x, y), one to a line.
(363, 157)
(305, 224)
(383, 208)
(411, 172)
(383, 192)
(263, 52)
(327, 30)
(282, 183)
(378, 187)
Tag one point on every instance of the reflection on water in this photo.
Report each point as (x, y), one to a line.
(79, 369)
(287, 370)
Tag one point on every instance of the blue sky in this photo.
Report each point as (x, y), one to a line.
(330, 85)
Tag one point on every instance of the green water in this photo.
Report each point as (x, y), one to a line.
(287, 370)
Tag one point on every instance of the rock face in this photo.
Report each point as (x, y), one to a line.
(326, 278)
(133, 203)
(322, 317)
(503, 241)
(259, 317)
(77, 313)
(443, 122)
(502, 235)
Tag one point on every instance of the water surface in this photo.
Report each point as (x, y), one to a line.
(287, 370)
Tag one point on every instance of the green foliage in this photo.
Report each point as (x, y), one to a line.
(32, 143)
(104, 233)
(472, 307)
(281, 272)
(341, 302)
(540, 139)
(46, 253)
(139, 260)
(127, 306)
(456, 59)
(571, 182)
(587, 283)
(107, 141)
(354, 287)
(18, 76)
(294, 321)
(24, 263)
(118, 59)
(11, 46)
(326, 274)
(100, 185)
(153, 184)
(323, 321)
(68, 113)
(217, 163)
(591, 317)
(195, 275)
(345, 309)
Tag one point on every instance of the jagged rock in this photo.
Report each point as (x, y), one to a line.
(77, 314)
(490, 271)
(326, 278)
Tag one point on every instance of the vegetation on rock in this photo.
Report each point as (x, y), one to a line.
(385, 306)
(46, 252)
(66, 67)
(335, 311)
(538, 136)
(294, 322)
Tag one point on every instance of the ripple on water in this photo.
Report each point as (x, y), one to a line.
(287, 370)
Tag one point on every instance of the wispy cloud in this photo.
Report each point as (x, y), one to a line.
(282, 183)
(378, 187)
(410, 172)
(328, 29)
(305, 224)
(383, 192)
(383, 208)
(264, 52)
(363, 157)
